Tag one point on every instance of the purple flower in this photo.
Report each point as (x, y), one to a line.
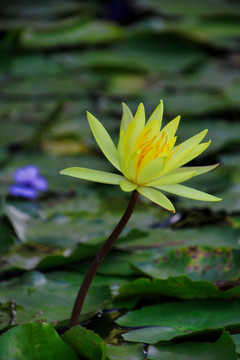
(28, 182)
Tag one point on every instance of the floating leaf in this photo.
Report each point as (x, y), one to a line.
(40, 299)
(173, 239)
(198, 263)
(180, 287)
(223, 348)
(125, 351)
(93, 32)
(170, 320)
(85, 343)
(236, 339)
(34, 340)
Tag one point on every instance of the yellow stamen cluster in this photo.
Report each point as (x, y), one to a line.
(150, 145)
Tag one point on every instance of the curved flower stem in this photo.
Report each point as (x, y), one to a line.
(99, 258)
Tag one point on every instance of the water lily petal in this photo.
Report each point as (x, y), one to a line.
(126, 185)
(139, 117)
(121, 157)
(157, 197)
(104, 140)
(93, 175)
(131, 165)
(198, 169)
(176, 161)
(151, 171)
(126, 141)
(196, 151)
(157, 115)
(127, 117)
(181, 158)
(188, 192)
(193, 141)
(134, 129)
(172, 179)
(171, 128)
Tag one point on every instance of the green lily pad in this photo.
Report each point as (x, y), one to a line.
(179, 287)
(198, 263)
(223, 348)
(170, 320)
(190, 7)
(36, 341)
(7, 238)
(85, 343)
(93, 32)
(123, 261)
(236, 339)
(164, 240)
(125, 351)
(38, 298)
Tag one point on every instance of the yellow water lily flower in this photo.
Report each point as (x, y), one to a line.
(148, 158)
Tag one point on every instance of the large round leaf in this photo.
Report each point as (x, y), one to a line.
(166, 321)
(34, 341)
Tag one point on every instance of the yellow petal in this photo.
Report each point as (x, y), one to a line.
(93, 175)
(139, 118)
(186, 151)
(157, 115)
(188, 192)
(193, 141)
(198, 169)
(131, 165)
(126, 117)
(151, 171)
(104, 140)
(196, 151)
(121, 158)
(126, 185)
(176, 161)
(157, 197)
(171, 128)
(127, 139)
(134, 129)
(172, 179)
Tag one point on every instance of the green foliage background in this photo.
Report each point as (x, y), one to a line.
(173, 280)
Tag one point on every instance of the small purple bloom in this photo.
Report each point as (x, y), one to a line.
(23, 191)
(40, 184)
(26, 175)
(28, 182)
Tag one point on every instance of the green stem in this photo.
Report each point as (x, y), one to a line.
(76, 312)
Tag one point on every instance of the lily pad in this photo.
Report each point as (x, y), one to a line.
(164, 240)
(40, 299)
(34, 340)
(236, 339)
(223, 348)
(85, 343)
(198, 263)
(174, 319)
(125, 351)
(179, 287)
(93, 32)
